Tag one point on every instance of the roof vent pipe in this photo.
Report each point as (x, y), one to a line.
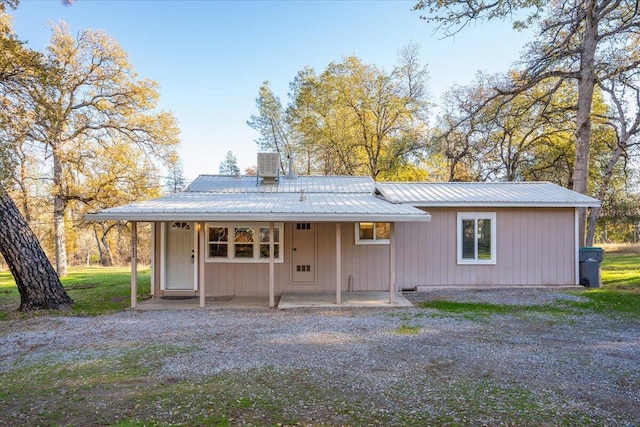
(290, 174)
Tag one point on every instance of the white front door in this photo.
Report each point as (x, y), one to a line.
(303, 257)
(180, 253)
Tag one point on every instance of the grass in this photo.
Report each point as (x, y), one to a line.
(405, 329)
(480, 310)
(95, 290)
(621, 267)
(120, 392)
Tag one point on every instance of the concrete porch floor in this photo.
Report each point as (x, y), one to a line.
(288, 300)
(349, 299)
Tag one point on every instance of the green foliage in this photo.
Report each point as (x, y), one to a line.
(351, 119)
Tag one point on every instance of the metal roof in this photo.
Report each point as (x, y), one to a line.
(310, 184)
(488, 194)
(334, 198)
(316, 207)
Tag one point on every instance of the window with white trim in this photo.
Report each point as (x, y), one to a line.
(243, 242)
(373, 233)
(476, 237)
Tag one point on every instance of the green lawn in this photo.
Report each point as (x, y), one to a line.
(95, 290)
(621, 268)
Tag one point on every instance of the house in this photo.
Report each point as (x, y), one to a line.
(268, 235)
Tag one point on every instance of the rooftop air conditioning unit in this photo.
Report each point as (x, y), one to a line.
(268, 165)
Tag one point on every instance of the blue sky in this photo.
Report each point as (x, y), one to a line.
(210, 57)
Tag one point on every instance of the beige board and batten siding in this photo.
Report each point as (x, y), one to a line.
(367, 265)
(535, 246)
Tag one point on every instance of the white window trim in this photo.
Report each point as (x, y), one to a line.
(373, 241)
(476, 216)
(256, 244)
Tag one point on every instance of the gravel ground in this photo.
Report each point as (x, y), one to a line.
(585, 366)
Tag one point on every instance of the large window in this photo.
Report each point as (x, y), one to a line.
(372, 233)
(476, 238)
(243, 242)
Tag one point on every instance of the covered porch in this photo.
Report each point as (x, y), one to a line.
(287, 301)
(236, 243)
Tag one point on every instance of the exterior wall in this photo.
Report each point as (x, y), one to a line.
(535, 246)
(368, 265)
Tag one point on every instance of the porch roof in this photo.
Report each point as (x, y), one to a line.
(315, 207)
(484, 194)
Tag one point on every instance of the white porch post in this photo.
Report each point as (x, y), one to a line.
(134, 263)
(338, 265)
(576, 236)
(201, 255)
(272, 279)
(392, 263)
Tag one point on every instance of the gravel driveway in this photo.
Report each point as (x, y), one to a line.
(584, 368)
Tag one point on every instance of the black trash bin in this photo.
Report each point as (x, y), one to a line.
(590, 259)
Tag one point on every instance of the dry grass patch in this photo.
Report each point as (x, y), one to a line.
(621, 248)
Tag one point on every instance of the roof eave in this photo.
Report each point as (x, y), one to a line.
(503, 205)
(254, 217)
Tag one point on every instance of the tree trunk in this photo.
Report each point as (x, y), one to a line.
(586, 83)
(591, 229)
(38, 284)
(95, 234)
(106, 257)
(59, 233)
(604, 189)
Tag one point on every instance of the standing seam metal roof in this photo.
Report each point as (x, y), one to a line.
(319, 207)
(310, 184)
(331, 198)
(499, 194)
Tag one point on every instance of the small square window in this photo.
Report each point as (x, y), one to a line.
(372, 233)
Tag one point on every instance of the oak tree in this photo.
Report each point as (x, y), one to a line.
(38, 284)
(92, 98)
(358, 119)
(581, 41)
